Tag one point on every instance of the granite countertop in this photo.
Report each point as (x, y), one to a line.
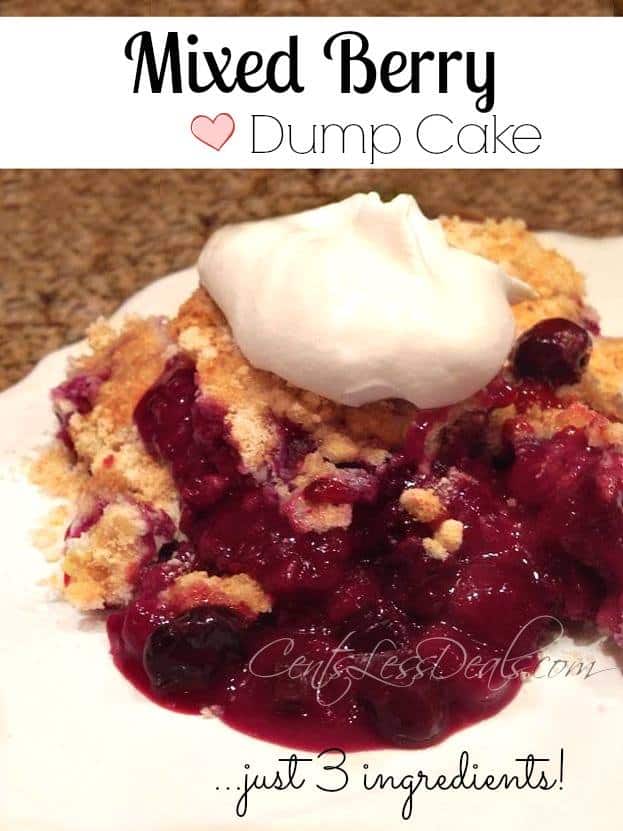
(76, 243)
(310, 7)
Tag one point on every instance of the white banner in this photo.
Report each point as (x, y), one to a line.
(311, 92)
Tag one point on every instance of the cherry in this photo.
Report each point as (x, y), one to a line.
(419, 430)
(208, 418)
(199, 483)
(164, 414)
(381, 628)
(356, 594)
(245, 532)
(555, 350)
(497, 601)
(548, 469)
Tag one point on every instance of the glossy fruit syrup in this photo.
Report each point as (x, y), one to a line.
(372, 642)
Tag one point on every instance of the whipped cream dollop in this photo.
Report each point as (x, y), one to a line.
(363, 300)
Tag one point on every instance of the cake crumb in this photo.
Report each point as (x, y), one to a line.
(375, 456)
(99, 562)
(238, 591)
(54, 472)
(450, 535)
(48, 536)
(446, 540)
(255, 436)
(434, 549)
(320, 518)
(101, 334)
(422, 503)
(198, 342)
(338, 447)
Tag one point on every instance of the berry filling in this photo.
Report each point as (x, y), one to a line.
(77, 395)
(379, 633)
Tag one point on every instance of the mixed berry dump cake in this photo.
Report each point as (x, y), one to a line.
(319, 574)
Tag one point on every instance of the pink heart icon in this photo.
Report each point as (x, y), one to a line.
(214, 132)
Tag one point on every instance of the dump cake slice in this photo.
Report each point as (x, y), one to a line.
(319, 573)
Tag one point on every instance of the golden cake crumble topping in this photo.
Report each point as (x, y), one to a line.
(218, 513)
(422, 503)
(238, 592)
(446, 540)
(100, 561)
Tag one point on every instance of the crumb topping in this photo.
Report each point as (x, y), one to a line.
(422, 503)
(602, 383)
(521, 254)
(48, 536)
(101, 335)
(450, 535)
(306, 516)
(434, 549)
(446, 540)
(198, 343)
(54, 471)
(99, 562)
(239, 592)
(256, 438)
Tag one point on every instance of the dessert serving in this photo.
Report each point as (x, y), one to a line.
(352, 488)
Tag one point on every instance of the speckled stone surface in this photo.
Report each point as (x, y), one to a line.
(309, 7)
(76, 243)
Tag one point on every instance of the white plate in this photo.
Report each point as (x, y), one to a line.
(81, 750)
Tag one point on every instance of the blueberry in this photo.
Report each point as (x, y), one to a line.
(555, 350)
(186, 652)
(167, 550)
